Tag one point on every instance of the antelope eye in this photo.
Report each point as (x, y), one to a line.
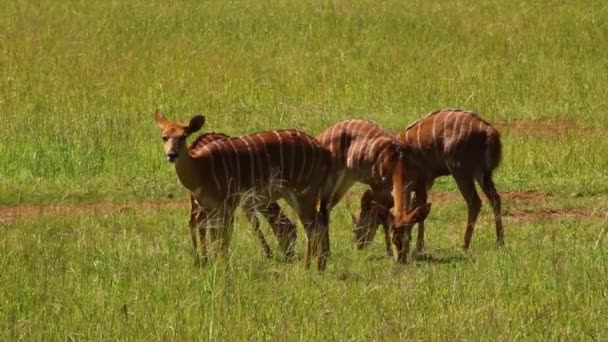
(165, 138)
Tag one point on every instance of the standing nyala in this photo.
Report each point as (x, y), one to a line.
(445, 142)
(282, 227)
(363, 152)
(265, 166)
(313, 174)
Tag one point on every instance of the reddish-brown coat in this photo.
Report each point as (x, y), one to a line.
(282, 227)
(363, 152)
(456, 142)
(261, 166)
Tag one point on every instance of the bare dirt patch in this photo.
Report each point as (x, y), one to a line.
(10, 214)
(556, 214)
(521, 205)
(533, 196)
(530, 205)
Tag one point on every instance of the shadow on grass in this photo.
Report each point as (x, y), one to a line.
(448, 258)
(438, 256)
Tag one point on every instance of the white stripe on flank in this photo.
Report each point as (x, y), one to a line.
(337, 185)
(460, 129)
(303, 165)
(381, 159)
(270, 165)
(454, 133)
(222, 154)
(213, 175)
(418, 136)
(294, 144)
(389, 156)
(372, 136)
(251, 159)
(280, 152)
(354, 150)
(434, 127)
(372, 132)
(373, 148)
(350, 129)
(470, 128)
(238, 165)
(446, 122)
(448, 135)
(331, 140)
(358, 153)
(434, 132)
(313, 157)
(260, 150)
(361, 140)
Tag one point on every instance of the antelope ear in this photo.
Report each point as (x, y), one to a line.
(195, 124)
(160, 118)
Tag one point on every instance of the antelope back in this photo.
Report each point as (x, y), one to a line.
(204, 139)
(360, 146)
(454, 133)
(282, 158)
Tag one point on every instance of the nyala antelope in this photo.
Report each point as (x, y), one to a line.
(363, 152)
(281, 225)
(445, 142)
(374, 214)
(267, 166)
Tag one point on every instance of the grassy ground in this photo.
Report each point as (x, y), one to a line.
(130, 275)
(80, 81)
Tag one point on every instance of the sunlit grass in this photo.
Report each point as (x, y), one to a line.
(131, 275)
(81, 80)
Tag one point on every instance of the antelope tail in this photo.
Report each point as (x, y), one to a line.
(493, 153)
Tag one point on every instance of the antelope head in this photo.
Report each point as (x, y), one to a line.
(174, 134)
(401, 231)
(365, 224)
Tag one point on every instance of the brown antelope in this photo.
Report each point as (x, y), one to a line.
(267, 166)
(282, 227)
(363, 152)
(375, 214)
(446, 142)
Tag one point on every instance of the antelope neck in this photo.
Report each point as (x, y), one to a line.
(185, 167)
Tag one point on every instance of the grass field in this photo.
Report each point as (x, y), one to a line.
(92, 248)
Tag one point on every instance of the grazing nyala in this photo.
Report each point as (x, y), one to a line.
(374, 214)
(265, 166)
(447, 142)
(363, 152)
(281, 225)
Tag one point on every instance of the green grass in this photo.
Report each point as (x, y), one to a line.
(80, 81)
(130, 276)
